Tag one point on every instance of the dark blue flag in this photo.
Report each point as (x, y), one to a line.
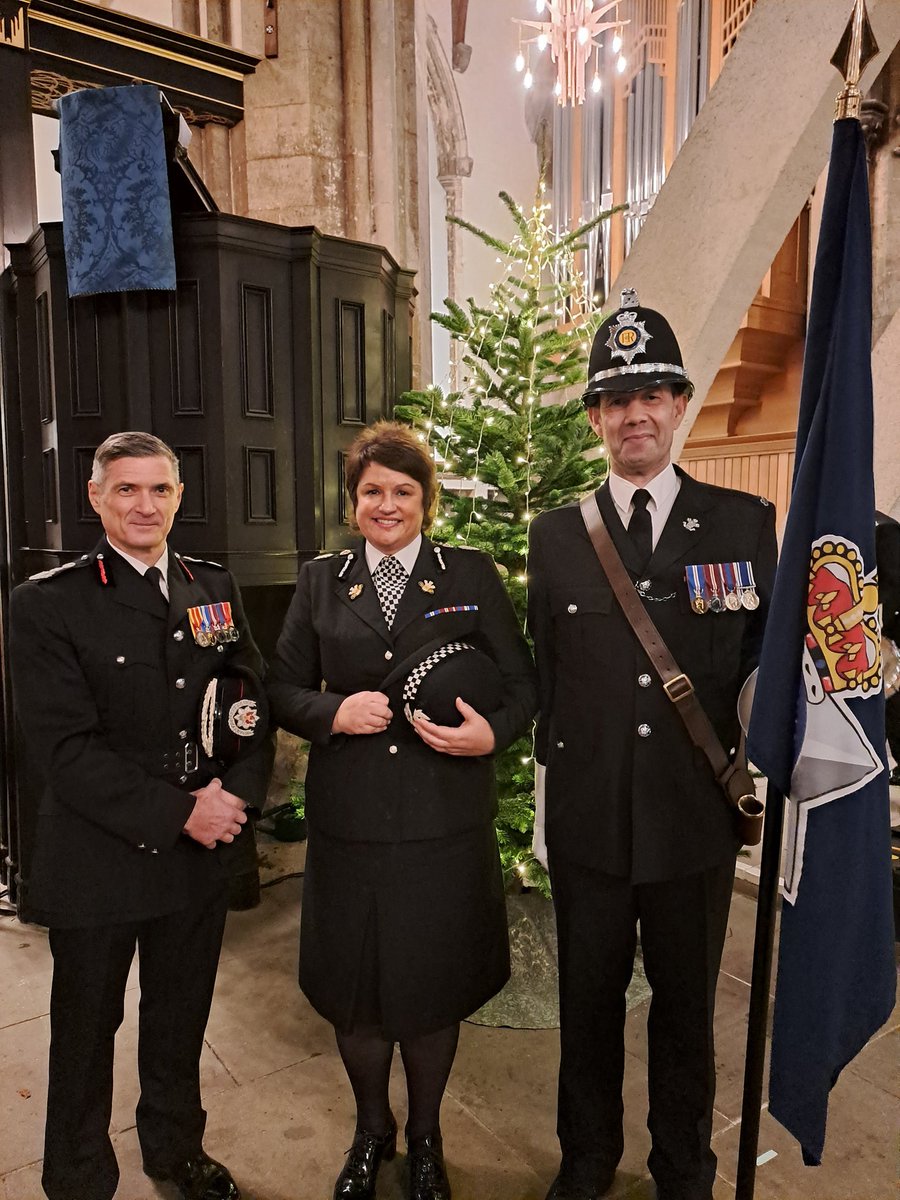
(817, 724)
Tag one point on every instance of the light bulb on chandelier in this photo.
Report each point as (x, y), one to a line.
(573, 29)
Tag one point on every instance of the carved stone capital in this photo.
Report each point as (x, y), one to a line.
(873, 119)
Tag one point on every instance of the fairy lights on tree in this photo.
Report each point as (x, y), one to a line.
(514, 440)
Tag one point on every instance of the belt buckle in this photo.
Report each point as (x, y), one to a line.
(191, 758)
(678, 688)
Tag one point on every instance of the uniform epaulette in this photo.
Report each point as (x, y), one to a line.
(54, 571)
(207, 562)
(738, 493)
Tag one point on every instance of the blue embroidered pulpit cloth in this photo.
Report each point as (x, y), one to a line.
(117, 219)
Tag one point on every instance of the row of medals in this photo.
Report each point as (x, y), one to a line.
(216, 635)
(704, 586)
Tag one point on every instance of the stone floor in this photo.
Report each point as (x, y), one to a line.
(280, 1111)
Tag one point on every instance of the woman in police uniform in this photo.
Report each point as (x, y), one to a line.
(403, 928)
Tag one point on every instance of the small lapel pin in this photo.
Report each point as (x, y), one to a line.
(691, 524)
(427, 586)
(355, 591)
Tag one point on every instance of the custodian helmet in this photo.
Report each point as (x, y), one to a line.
(635, 348)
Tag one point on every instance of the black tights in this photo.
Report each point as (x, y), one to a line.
(427, 1060)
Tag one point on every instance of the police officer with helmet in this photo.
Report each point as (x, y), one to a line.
(631, 821)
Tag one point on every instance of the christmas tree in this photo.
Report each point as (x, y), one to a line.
(514, 440)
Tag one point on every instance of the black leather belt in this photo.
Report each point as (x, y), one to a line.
(179, 761)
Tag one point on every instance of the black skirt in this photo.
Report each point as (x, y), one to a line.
(405, 937)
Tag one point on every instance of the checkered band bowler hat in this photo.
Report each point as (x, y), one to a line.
(453, 669)
(635, 348)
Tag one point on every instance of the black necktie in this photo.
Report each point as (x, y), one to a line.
(640, 527)
(153, 579)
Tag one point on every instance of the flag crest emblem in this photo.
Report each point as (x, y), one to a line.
(842, 611)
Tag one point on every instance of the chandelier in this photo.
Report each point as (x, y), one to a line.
(570, 30)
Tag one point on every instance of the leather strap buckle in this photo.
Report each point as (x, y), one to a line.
(678, 688)
(191, 758)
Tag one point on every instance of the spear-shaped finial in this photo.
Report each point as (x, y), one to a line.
(855, 51)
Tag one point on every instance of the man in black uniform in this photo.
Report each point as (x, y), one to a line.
(637, 829)
(138, 827)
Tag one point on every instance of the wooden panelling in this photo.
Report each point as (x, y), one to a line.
(48, 468)
(85, 356)
(44, 380)
(766, 471)
(351, 363)
(259, 485)
(187, 388)
(257, 368)
(390, 362)
(84, 460)
(195, 501)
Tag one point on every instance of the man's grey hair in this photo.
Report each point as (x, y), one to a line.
(132, 444)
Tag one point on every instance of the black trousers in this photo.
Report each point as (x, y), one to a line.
(179, 954)
(683, 924)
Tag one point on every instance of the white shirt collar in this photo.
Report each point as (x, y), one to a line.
(406, 557)
(663, 489)
(141, 567)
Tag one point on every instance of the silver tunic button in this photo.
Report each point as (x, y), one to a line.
(644, 730)
(183, 779)
(221, 649)
(392, 749)
(573, 608)
(178, 635)
(179, 683)
(154, 852)
(389, 654)
(560, 745)
(644, 680)
(182, 733)
(141, 846)
(120, 659)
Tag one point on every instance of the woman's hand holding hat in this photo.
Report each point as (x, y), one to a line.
(363, 712)
(472, 738)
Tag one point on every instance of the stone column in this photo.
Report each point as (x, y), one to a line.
(358, 217)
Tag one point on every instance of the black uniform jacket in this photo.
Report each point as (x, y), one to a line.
(626, 790)
(390, 786)
(107, 690)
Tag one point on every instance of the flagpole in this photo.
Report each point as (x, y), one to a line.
(855, 50)
(764, 940)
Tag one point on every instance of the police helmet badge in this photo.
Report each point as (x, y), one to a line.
(628, 337)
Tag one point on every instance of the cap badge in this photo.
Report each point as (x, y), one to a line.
(628, 337)
(691, 524)
(427, 586)
(355, 591)
(243, 717)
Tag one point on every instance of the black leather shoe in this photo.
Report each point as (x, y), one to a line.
(565, 1188)
(357, 1180)
(198, 1178)
(427, 1175)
